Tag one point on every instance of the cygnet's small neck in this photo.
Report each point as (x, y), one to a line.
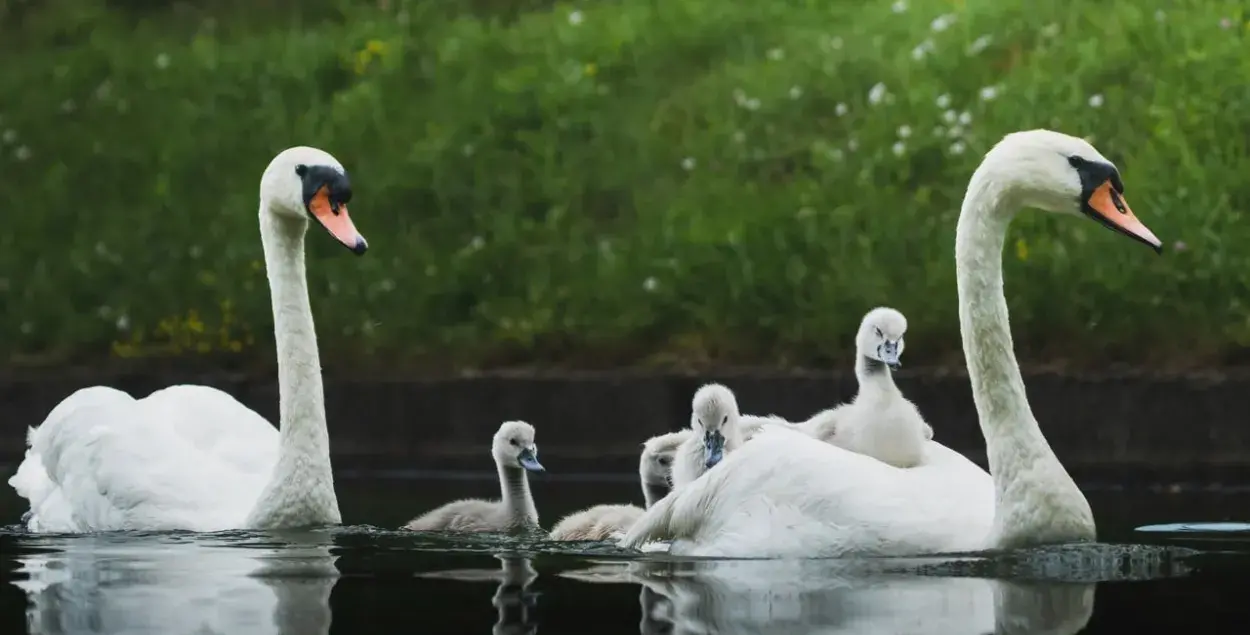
(517, 500)
(874, 376)
(653, 492)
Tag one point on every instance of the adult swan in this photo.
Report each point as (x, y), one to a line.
(191, 457)
(787, 495)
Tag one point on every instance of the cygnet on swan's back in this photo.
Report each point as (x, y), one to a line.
(515, 454)
(602, 522)
(879, 422)
(714, 419)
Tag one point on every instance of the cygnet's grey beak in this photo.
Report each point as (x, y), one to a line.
(529, 460)
(713, 448)
(888, 351)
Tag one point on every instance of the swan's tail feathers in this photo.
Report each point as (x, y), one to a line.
(655, 525)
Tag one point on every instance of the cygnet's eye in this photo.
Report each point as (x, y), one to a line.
(664, 460)
(513, 442)
(724, 420)
(878, 330)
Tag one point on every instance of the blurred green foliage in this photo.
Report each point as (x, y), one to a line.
(605, 183)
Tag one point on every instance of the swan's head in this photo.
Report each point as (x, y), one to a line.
(880, 336)
(514, 445)
(1061, 173)
(304, 182)
(714, 411)
(656, 463)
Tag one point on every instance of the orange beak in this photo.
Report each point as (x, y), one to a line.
(336, 221)
(1110, 209)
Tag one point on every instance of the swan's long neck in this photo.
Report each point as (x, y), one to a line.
(518, 502)
(301, 490)
(874, 377)
(1036, 501)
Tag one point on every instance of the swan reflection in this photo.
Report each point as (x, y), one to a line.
(815, 596)
(513, 600)
(179, 584)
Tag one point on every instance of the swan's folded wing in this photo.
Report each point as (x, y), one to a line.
(117, 468)
(216, 424)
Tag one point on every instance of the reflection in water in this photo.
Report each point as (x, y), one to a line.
(513, 600)
(175, 584)
(816, 596)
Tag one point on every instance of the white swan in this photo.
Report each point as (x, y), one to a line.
(786, 495)
(602, 522)
(714, 420)
(879, 422)
(515, 454)
(192, 457)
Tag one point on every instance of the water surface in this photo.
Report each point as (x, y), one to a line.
(365, 578)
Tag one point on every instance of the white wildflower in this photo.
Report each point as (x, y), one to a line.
(922, 49)
(899, 148)
(979, 44)
(477, 243)
(1050, 30)
(835, 154)
(576, 18)
(949, 116)
(876, 94)
(958, 147)
(941, 22)
(688, 163)
(965, 118)
(162, 60)
(852, 145)
(988, 93)
(22, 153)
(1095, 100)
(839, 109)
(123, 322)
(834, 42)
(650, 284)
(776, 54)
(9, 136)
(904, 132)
(899, 6)
(739, 136)
(752, 104)
(468, 150)
(1160, 16)
(954, 131)
(796, 92)
(943, 101)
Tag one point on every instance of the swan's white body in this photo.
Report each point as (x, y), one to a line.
(785, 494)
(603, 522)
(192, 457)
(879, 422)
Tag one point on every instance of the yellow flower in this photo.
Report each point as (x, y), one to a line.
(1022, 249)
(376, 47)
(590, 69)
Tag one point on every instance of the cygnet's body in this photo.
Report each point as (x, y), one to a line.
(602, 522)
(714, 419)
(879, 422)
(515, 454)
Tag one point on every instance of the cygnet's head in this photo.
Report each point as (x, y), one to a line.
(306, 183)
(656, 461)
(880, 336)
(714, 409)
(514, 446)
(1061, 173)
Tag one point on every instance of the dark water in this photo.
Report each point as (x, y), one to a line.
(363, 579)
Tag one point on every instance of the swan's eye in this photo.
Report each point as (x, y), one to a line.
(724, 420)
(301, 170)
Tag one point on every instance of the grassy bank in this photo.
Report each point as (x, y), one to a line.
(606, 183)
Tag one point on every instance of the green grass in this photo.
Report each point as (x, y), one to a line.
(664, 183)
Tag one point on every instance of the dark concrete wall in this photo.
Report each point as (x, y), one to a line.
(1175, 427)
